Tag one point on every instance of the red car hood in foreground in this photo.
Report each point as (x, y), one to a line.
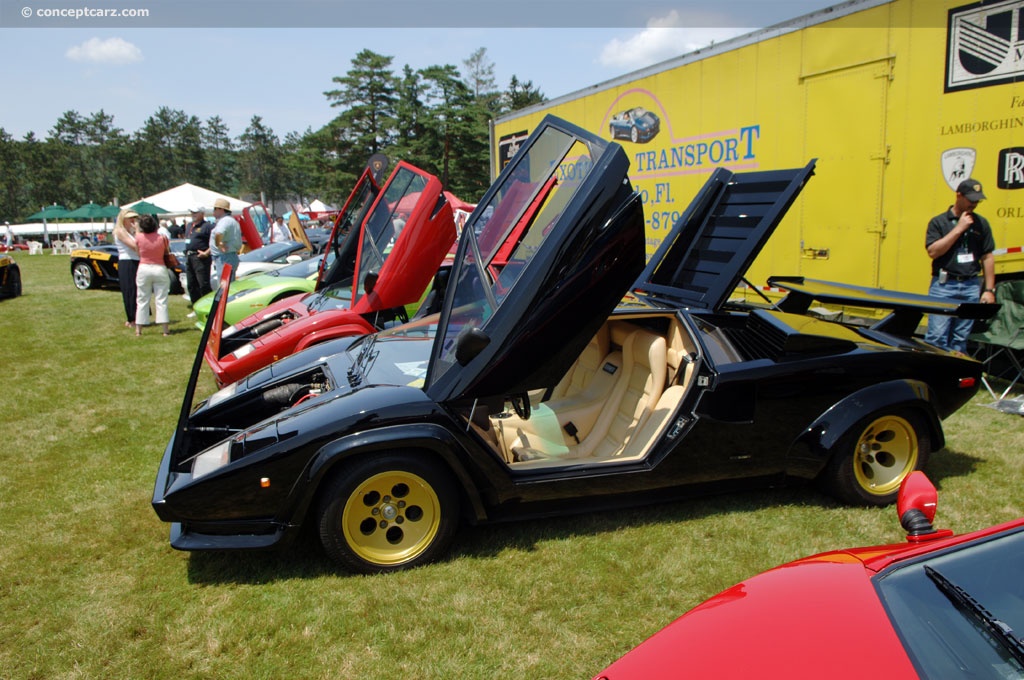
(817, 617)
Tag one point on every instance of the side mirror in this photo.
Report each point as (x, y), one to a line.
(916, 505)
(469, 344)
(370, 282)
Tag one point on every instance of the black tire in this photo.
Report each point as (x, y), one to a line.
(870, 461)
(388, 512)
(634, 135)
(83, 276)
(178, 287)
(14, 282)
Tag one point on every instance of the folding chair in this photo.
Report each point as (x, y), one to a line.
(1001, 338)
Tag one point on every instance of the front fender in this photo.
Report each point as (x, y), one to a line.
(357, 326)
(432, 437)
(811, 450)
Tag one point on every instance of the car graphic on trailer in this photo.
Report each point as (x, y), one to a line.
(638, 125)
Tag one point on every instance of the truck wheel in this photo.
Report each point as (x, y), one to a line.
(388, 512)
(82, 275)
(871, 461)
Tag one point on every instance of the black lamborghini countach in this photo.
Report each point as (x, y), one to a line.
(540, 389)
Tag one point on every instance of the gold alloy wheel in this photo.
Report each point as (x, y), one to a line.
(886, 452)
(391, 518)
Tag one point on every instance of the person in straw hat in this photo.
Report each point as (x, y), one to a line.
(125, 229)
(226, 238)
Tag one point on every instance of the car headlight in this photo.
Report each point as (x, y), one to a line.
(212, 459)
(220, 395)
(243, 351)
(242, 293)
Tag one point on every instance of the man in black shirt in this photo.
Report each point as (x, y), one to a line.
(197, 255)
(960, 244)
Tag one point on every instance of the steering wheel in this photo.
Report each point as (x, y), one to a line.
(521, 405)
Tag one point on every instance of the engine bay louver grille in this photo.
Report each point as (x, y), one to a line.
(758, 339)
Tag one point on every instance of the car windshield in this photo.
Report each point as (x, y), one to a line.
(300, 269)
(946, 637)
(396, 356)
(269, 252)
(335, 297)
(386, 222)
(506, 232)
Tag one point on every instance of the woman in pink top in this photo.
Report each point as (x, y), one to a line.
(152, 280)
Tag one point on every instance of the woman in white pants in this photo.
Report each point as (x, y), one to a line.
(152, 280)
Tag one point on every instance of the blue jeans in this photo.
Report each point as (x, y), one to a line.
(227, 258)
(950, 332)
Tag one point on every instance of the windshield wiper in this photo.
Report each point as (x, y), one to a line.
(1001, 631)
(355, 371)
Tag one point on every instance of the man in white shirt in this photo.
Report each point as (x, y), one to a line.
(279, 231)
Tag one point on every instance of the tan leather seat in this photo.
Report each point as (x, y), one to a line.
(585, 367)
(604, 416)
(634, 397)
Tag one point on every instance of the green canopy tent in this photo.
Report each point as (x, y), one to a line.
(147, 208)
(49, 212)
(88, 211)
(93, 211)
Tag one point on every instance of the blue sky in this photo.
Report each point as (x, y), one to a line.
(280, 74)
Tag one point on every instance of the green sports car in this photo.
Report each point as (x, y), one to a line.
(250, 294)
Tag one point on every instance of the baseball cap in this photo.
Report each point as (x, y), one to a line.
(971, 190)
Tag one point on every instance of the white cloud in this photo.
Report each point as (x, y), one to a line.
(663, 39)
(109, 51)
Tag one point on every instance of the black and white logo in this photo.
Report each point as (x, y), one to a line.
(957, 165)
(984, 44)
(1011, 168)
(508, 146)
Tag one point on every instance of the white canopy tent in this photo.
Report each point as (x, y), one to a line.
(316, 205)
(182, 198)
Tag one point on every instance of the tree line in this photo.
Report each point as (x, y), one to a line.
(434, 118)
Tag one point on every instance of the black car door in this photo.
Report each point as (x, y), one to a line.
(546, 255)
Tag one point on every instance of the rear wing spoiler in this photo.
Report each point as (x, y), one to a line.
(907, 308)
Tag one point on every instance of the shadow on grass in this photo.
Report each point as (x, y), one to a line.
(949, 463)
(302, 559)
(305, 558)
(489, 541)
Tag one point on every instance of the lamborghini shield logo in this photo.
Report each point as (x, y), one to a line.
(984, 44)
(957, 165)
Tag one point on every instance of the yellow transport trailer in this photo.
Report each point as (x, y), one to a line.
(898, 100)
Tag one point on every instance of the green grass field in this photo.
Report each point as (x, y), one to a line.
(89, 587)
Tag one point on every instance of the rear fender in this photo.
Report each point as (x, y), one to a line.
(429, 438)
(811, 450)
